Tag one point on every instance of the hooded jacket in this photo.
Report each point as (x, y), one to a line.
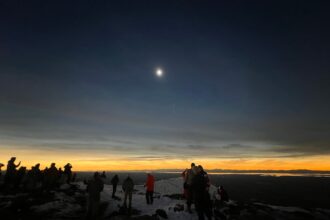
(150, 182)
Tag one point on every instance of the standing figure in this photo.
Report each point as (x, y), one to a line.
(51, 177)
(19, 177)
(201, 195)
(34, 177)
(74, 177)
(94, 189)
(68, 172)
(1, 165)
(103, 175)
(150, 188)
(62, 177)
(189, 175)
(37, 172)
(11, 171)
(206, 176)
(128, 187)
(185, 188)
(114, 182)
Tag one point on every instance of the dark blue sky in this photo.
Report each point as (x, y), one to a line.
(242, 78)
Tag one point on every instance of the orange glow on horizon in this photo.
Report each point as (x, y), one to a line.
(85, 162)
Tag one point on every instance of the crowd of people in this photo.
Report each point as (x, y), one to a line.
(95, 187)
(195, 187)
(19, 177)
(196, 191)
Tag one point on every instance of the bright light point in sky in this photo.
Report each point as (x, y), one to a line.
(159, 72)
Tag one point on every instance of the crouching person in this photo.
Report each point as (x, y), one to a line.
(94, 189)
(220, 199)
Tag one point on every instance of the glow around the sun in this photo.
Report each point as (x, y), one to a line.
(159, 72)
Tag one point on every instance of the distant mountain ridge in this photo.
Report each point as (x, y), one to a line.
(305, 171)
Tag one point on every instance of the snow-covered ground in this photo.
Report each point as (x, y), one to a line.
(69, 202)
(165, 199)
(161, 200)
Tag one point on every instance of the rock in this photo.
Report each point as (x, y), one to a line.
(175, 196)
(65, 186)
(135, 211)
(161, 213)
(116, 198)
(178, 208)
(126, 211)
(146, 217)
(219, 215)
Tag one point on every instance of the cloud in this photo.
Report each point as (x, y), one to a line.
(238, 146)
(127, 126)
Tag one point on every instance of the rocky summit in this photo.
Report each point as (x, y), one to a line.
(70, 200)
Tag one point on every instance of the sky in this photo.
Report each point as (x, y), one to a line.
(245, 84)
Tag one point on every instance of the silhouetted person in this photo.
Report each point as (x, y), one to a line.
(223, 194)
(114, 182)
(68, 172)
(201, 196)
(1, 165)
(20, 174)
(103, 177)
(36, 172)
(150, 183)
(11, 171)
(189, 175)
(29, 183)
(62, 177)
(94, 189)
(33, 177)
(128, 187)
(51, 176)
(43, 173)
(37, 175)
(220, 197)
(185, 190)
(74, 177)
(206, 176)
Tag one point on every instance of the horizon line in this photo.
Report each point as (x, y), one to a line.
(216, 170)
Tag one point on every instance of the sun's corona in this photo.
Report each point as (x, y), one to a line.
(159, 72)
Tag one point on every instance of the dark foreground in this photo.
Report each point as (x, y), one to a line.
(301, 191)
(253, 197)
